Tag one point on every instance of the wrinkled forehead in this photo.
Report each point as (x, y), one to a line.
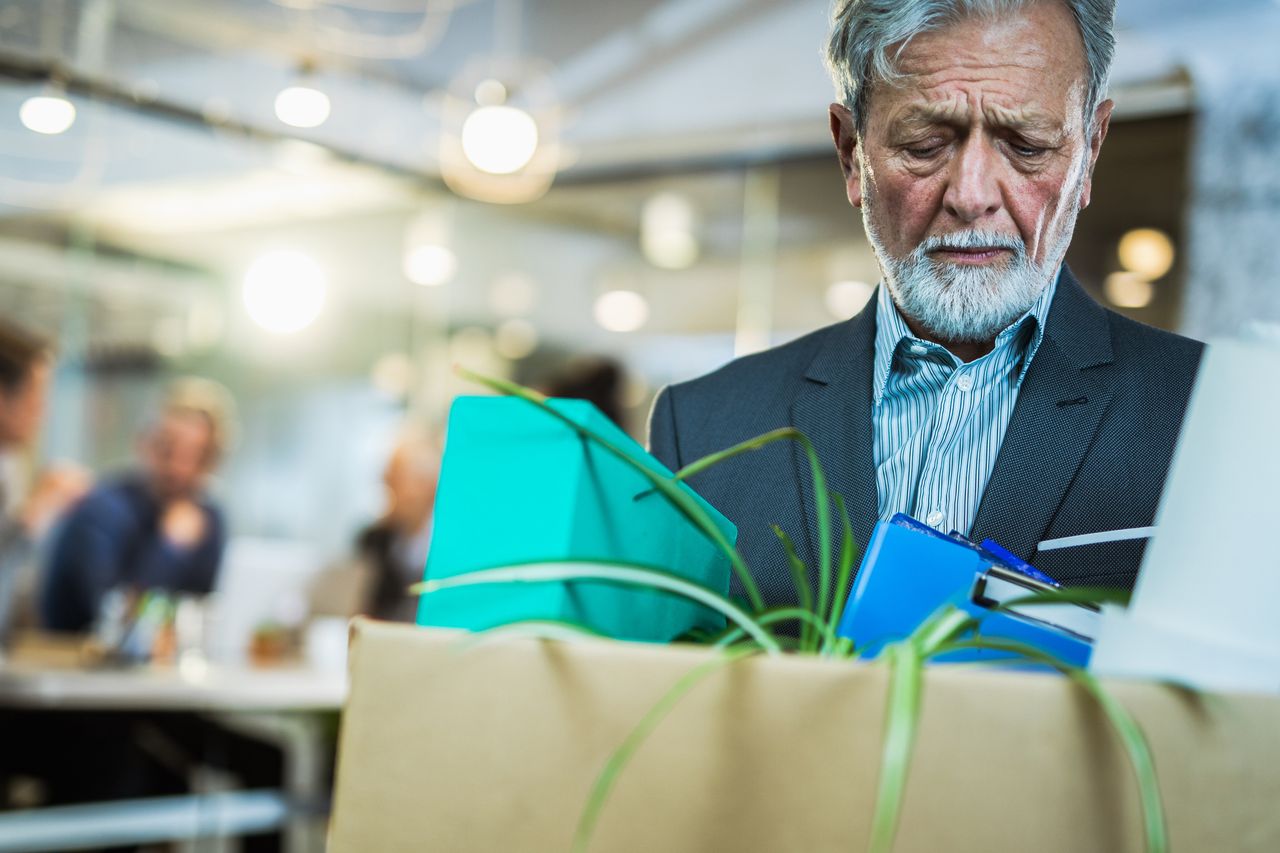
(1025, 69)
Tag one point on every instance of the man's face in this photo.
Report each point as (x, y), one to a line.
(971, 169)
(178, 455)
(22, 409)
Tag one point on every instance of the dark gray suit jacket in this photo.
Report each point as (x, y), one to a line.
(1087, 448)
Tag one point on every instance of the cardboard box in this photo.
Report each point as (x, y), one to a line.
(517, 485)
(495, 748)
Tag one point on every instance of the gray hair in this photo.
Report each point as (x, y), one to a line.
(864, 33)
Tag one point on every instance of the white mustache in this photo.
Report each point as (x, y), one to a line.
(972, 240)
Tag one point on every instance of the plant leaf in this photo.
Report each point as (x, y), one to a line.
(823, 513)
(943, 626)
(804, 592)
(711, 459)
(902, 716)
(666, 486)
(623, 754)
(844, 573)
(1071, 595)
(823, 509)
(769, 617)
(609, 572)
(1126, 727)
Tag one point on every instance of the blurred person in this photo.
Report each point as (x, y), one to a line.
(394, 548)
(981, 389)
(151, 528)
(26, 365)
(596, 380)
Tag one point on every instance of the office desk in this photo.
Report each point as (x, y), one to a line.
(193, 687)
(284, 706)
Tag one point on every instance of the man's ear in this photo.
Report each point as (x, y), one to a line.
(1101, 121)
(845, 136)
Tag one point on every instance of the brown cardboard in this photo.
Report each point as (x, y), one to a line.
(496, 747)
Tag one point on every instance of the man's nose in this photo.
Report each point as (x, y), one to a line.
(973, 189)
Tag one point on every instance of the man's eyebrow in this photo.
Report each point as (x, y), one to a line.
(1028, 118)
(933, 113)
(1025, 119)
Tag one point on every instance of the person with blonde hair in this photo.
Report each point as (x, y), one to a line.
(153, 528)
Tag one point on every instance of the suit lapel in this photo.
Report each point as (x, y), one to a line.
(1059, 408)
(833, 408)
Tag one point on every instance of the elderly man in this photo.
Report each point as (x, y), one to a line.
(982, 390)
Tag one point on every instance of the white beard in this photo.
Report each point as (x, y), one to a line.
(965, 303)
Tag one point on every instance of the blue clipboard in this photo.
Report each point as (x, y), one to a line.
(908, 573)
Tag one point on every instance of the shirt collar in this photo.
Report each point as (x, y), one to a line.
(892, 333)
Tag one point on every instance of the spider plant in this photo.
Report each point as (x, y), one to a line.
(753, 629)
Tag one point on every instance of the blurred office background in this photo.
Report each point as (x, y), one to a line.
(303, 200)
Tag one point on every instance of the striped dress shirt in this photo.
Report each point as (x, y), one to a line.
(938, 421)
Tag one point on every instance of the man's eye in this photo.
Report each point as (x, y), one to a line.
(1023, 150)
(924, 152)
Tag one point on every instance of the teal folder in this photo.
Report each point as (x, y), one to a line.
(517, 485)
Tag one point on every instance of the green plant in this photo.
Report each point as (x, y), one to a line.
(752, 629)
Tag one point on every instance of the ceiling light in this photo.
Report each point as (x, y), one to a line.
(1129, 290)
(515, 339)
(301, 106)
(284, 291)
(846, 298)
(47, 114)
(430, 264)
(621, 310)
(499, 139)
(1147, 252)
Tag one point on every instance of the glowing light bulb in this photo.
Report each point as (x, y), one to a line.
(621, 310)
(499, 139)
(47, 114)
(301, 106)
(1147, 252)
(284, 291)
(430, 264)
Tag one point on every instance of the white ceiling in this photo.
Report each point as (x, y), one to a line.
(638, 82)
(644, 87)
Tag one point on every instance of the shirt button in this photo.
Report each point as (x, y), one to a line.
(964, 383)
(935, 519)
(919, 349)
